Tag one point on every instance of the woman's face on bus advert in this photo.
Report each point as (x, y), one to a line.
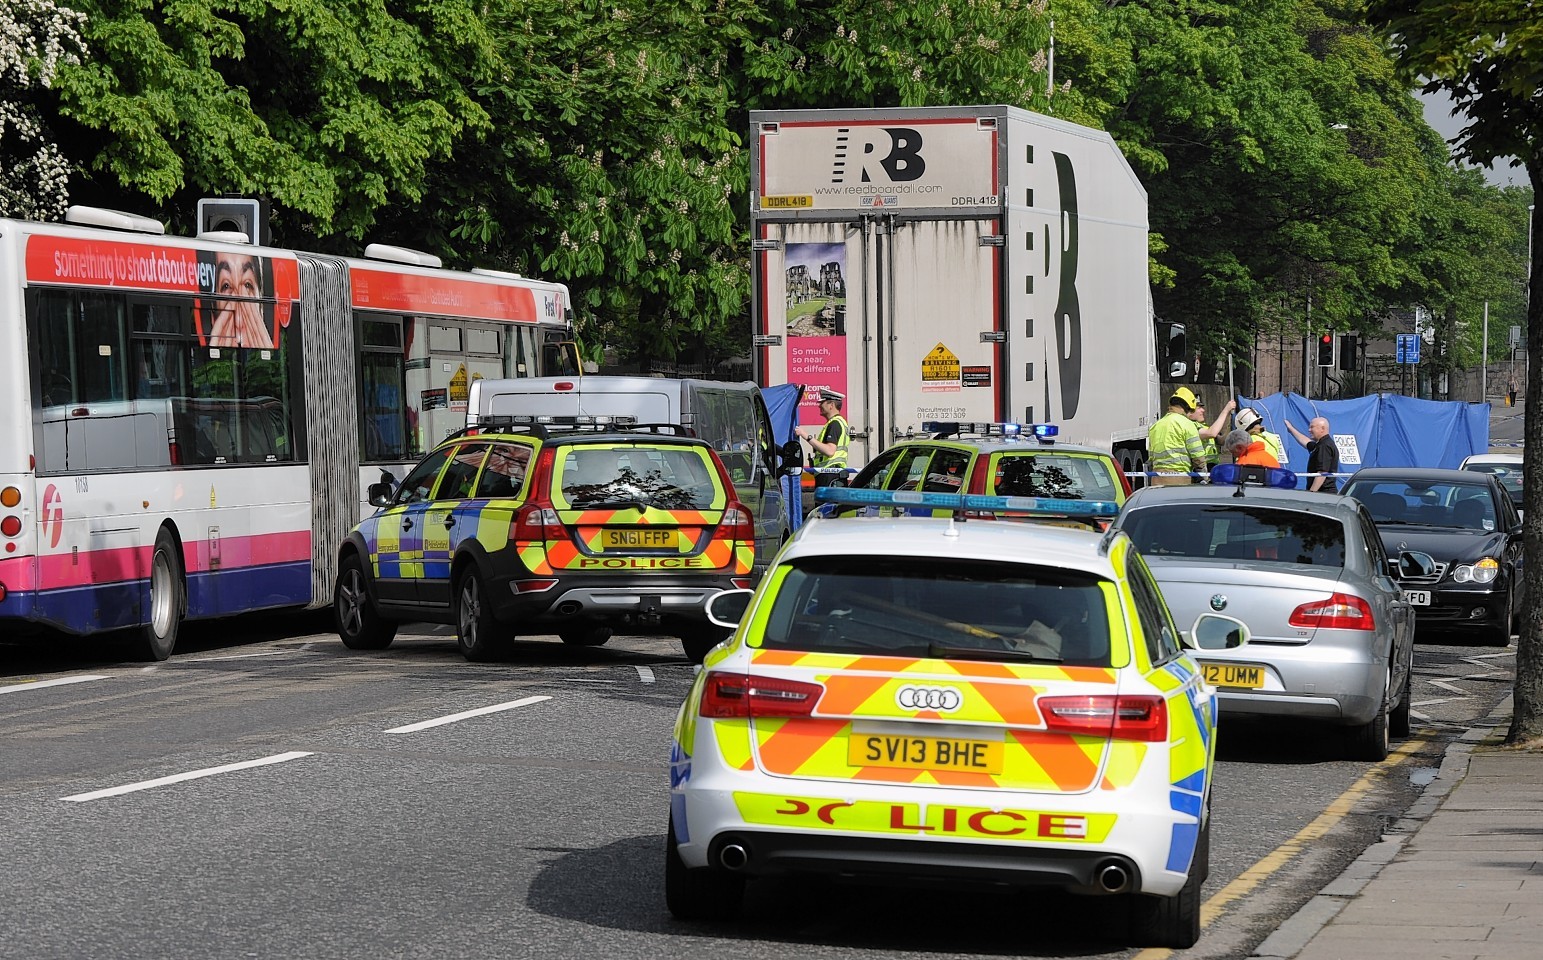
(238, 322)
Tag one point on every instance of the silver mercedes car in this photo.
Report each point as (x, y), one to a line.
(1332, 637)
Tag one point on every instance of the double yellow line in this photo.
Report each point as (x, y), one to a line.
(1249, 879)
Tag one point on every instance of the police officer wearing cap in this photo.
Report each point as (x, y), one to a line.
(830, 447)
(1173, 443)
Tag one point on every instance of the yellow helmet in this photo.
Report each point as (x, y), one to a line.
(1186, 396)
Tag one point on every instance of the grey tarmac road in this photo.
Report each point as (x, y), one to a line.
(534, 830)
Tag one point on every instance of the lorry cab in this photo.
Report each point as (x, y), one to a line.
(731, 416)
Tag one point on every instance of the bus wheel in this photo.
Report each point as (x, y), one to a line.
(359, 626)
(159, 634)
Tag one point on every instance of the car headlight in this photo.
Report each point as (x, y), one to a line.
(1484, 571)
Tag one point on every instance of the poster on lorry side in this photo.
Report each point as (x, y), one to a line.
(815, 314)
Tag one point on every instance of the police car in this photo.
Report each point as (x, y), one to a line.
(568, 525)
(951, 699)
(989, 459)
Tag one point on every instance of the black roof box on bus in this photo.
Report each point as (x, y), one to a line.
(112, 219)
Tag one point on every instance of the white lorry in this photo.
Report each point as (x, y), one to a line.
(954, 263)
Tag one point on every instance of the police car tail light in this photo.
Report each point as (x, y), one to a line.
(730, 695)
(537, 521)
(737, 524)
(1113, 717)
(1339, 611)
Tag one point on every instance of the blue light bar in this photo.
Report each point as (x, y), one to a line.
(1040, 506)
(990, 429)
(1233, 475)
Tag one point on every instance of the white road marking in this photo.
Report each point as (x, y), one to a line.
(464, 715)
(191, 775)
(645, 674)
(1447, 686)
(59, 682)
(1426, 703)
(1487, 656)
(239, 656)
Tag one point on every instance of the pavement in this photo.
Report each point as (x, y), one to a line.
(1460, 877)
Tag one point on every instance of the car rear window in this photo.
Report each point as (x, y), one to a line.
(1228, 532)
(1066, 476)
(919, 607)
(667, 478)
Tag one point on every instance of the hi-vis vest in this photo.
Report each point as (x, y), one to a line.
(1173, 445)
(1272, 443)
(837, 432)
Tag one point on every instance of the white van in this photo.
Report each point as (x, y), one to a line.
(730, 416)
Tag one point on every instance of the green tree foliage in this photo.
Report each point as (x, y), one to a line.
(1488, 55)
(1283, 158)
(867, 53)
(615, 166)
(37, 37)
(601, 142)
(332, 110)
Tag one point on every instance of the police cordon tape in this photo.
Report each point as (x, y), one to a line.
(827, 471)
(1204, 476)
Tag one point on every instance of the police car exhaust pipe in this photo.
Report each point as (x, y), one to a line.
(1113, 878)
(733, 857)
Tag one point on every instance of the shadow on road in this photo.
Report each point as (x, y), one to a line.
(621, 886)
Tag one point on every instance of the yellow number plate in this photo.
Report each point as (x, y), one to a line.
(639, 538)
(924, 753)
(1233, 674)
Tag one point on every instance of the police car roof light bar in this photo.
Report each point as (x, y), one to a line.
(943, 429)
(1036, 506)
(1252, 475)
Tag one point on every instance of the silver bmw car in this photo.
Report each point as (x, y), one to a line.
(1332, 637)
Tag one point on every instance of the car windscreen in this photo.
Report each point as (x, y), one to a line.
(636, 476)
(1509, 475)
(1465, 506)
(949, 609)
(1237, 532)
(1065, 476)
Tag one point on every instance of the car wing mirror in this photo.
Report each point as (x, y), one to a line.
(728, 607)
(790, 456)
(1413, 563)
(1213, 631)
(379, 494)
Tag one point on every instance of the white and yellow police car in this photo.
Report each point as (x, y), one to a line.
(940, 698)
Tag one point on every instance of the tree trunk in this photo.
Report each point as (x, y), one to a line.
(1527, 711)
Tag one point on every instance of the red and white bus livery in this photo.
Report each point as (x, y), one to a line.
(188, 425)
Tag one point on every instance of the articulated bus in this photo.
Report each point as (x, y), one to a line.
(188, 425)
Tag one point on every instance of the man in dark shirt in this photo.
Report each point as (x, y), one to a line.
(1322, 454)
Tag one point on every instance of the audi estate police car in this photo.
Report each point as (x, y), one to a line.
(535, 526)
(938, 698)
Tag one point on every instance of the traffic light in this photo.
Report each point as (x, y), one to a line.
(1326, 349)
(1347, 352)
